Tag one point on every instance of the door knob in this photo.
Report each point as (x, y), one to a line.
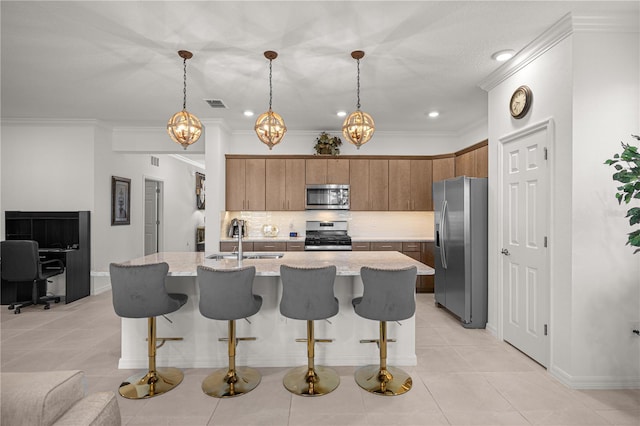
(505, 252)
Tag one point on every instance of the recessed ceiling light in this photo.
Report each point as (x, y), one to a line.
(248, 113)
(434, 114)
(342, 113)
(503, 55)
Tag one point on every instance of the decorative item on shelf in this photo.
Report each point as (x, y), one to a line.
(327, 145)
(358, 127)
(270, 230)
(183, 127)
(270, 126)
(200, 191)
(627, 165)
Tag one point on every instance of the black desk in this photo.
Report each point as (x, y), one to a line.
(53, 230)
(77, 282)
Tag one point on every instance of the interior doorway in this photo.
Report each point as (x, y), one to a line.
(524, 227)
(153, 191)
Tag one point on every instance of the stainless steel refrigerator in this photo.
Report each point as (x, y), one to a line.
(460, 249)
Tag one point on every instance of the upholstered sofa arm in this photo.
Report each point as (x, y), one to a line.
(43, 398)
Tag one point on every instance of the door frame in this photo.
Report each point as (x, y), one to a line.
(549, 126)
(146, 178)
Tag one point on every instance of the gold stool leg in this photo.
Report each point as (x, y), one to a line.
(232, 382)
(311, 380)
(155, 381)
(382, 379)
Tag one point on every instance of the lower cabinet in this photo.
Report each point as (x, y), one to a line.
(426, 257)
(233, 246)
(269, 246)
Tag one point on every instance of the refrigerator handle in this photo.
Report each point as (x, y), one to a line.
(443, 236)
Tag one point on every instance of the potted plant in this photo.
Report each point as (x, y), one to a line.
(627, 165)
(327, 145)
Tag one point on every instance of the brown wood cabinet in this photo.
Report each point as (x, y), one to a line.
(426, 284)
(410, 185)
(232, 246)
(386, 246)
(473, 161)
(360, 246)
(327, 171)
(245, 184)
(369, 181)
(295, 246)
(269, 246)
(284, 186)
(444, 168)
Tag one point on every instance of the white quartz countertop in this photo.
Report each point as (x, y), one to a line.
(348, 263)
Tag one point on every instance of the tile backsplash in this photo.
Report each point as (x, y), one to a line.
(367, 224)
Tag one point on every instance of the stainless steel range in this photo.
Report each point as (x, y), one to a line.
(327, 236)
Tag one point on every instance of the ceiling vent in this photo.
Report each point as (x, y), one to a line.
(216, 103)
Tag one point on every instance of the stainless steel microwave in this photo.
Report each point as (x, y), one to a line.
(327, 197)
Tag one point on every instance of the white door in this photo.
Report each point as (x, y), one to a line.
(524, 222)
(151, 216)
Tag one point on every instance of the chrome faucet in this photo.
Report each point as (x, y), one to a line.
(240, 232)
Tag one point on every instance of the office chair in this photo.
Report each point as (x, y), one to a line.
(21, 263)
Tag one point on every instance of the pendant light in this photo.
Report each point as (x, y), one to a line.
(358, 127)
(184, 128)
(270, 126)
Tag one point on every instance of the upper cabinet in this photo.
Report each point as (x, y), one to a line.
(444, 168)
(473, 161)
(327, 171)
(369, 184)
(378, 183)
(284, 184)
(245, 184)
(410, 185)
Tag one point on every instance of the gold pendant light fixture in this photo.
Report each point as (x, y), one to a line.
(358, 127)
(184, 128)
(270, 126)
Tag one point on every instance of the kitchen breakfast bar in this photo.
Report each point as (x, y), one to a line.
(275, 344)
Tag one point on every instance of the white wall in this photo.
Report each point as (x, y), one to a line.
(606, 110)
(382, 143)
(68, 166)
(587, 84)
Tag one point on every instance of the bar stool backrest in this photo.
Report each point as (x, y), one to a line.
(139, 290)
(227, 294)
(307, 293)
(389, 294)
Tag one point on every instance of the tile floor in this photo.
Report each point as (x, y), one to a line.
(463, 377)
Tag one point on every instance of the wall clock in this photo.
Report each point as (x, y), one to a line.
(520, 102)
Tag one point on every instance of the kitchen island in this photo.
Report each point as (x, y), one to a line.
(275, 344)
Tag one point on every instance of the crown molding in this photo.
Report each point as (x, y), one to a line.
(67, 122)
(563, 28)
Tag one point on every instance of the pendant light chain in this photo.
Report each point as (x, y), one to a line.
(358, 80)
(270, 85)
(184, 91)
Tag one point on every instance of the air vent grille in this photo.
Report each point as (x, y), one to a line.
(216, 103)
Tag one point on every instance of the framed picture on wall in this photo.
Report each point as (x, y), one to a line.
(200, 191)
(120, 201)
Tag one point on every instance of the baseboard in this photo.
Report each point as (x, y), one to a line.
(595, 382)
(100, 284)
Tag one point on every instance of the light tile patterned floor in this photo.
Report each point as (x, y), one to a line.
(463, 377)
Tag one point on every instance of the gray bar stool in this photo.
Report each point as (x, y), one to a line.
(227, 294)
(307, 294)
(389, 295)
(139, 292)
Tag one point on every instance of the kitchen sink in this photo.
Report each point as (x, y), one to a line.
(232, 256)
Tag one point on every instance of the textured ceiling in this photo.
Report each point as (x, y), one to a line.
(117, 61)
